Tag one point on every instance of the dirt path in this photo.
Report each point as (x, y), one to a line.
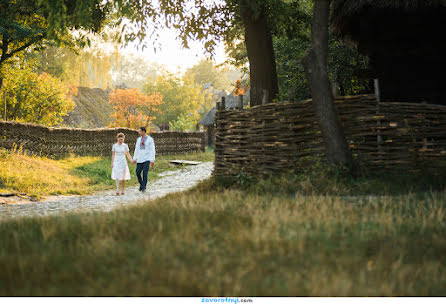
(173, 181)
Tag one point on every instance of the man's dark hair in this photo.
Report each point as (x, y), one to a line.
(143, 129)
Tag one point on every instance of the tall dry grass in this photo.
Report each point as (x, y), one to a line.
(212, 241)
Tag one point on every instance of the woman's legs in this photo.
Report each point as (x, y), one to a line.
(123, 186)
(117, 186)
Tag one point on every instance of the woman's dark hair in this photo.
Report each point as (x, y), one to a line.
(143, 129)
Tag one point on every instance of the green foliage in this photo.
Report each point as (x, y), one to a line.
(205, 72)
(183, 123)
(184, 102)
(34, 98)
(290, 71)
(344, 65)
(244, 180)
(322, 179)
(22, 23)
(290, 23)
(26, 23)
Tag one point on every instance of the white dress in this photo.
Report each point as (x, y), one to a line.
(120, 169)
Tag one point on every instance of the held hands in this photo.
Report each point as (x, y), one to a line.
(134, 162)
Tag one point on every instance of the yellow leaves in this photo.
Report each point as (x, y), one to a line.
(30, 97)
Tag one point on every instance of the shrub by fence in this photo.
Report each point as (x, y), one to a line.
(279, 137)
(58, 142)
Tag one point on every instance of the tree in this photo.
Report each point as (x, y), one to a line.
(89, 67)
(315, 64)
(169, 86)
(184, 102)
(254, 22)
(34, 98)
(205, 71)
(344, 65)
(133, 71)
(216, 21)
(29, 23)
(134, 109)
(248, 19)
(259, 46)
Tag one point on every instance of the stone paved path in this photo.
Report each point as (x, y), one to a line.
(172, 181)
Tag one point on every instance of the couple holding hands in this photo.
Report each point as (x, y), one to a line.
(144, 157)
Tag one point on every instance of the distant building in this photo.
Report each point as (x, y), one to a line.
(208, 120)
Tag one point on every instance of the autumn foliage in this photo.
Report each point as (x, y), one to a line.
(36, 98)
(239, 88)
(134, 109)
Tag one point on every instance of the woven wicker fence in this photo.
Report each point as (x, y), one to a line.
(279, 137)
(58, 142)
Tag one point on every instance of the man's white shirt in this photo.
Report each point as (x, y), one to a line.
(147, 154)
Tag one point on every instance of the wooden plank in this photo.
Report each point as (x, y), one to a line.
(184, 162)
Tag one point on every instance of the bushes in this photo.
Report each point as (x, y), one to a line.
(34, 98)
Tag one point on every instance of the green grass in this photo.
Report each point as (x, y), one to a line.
(321, 180)
(216, 241)
(39, 176)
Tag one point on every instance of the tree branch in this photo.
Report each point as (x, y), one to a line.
(11, 53)
(4, 49)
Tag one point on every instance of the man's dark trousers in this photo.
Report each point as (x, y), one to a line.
(144, 168)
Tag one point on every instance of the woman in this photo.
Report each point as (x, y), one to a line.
(120, 169)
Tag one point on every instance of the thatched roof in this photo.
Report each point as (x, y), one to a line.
(345, 10)
(231, 102)
(208, 118)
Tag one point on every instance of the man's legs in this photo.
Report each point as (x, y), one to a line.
(145, 170)
(139, 167)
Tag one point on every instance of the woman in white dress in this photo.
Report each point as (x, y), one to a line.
(120, 169)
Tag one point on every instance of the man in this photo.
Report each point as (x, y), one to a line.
(144, 157)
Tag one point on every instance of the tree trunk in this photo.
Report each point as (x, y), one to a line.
(315, 65)
(262, 62)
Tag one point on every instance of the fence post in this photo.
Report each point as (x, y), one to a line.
(240, 102)
(290, 94)
(223, 103)
(265, 97)
(335, 89)
(379, 138)
(377, 91)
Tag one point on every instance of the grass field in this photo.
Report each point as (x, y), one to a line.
(320, 239)
(39, 176)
